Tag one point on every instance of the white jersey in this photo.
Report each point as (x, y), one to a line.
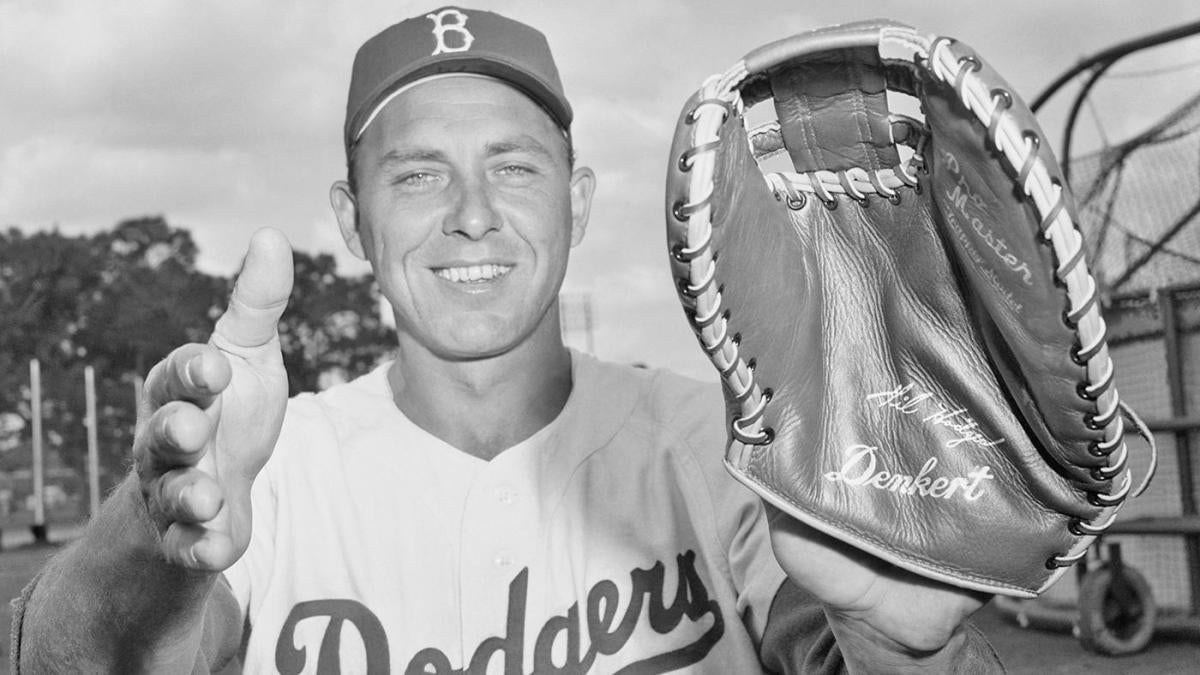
(612, 539)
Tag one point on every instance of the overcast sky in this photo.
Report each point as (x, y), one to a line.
(226, 116)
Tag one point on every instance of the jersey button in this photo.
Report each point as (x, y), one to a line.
(506, 496)
(502, 560)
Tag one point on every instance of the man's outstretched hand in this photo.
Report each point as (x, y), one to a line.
(211, 414)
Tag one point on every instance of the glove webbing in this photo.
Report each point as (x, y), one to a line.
(833, 112)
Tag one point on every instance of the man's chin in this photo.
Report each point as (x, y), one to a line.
(478, 340)
(485, 334)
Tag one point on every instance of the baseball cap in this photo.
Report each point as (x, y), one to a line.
(452, 40)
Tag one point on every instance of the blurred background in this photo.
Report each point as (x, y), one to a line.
(142, 142)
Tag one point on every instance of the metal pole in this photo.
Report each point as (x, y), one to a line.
(1113, 53)
(93, 449)
(1064, 158)
(35, 406)
(1175, 388)
(1178, 226)
(1098, 64)
(1186, 423)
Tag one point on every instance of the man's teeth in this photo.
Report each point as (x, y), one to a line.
(473, 273)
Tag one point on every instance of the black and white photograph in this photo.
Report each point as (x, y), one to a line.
(580, 337)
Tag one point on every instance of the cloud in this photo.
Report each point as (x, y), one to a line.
(76, 178)
(226, 115)
(221, 116)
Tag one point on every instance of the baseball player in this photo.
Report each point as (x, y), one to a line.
(487, 502)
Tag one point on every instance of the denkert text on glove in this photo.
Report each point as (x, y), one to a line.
(859, 470)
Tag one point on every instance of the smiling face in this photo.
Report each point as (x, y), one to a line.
(466, 207)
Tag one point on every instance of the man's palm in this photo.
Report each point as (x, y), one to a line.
(213, 414)
(868, 594)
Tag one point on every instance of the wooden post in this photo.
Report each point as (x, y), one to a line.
(138, 383)
(93, 449)
(35, 406)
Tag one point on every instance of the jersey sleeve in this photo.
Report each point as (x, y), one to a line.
(738, 514)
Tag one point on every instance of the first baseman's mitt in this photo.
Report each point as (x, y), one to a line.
(910, 342)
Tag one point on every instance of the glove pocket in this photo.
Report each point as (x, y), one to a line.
(890, 428)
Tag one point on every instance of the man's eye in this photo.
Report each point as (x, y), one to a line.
(415, 179)
(515, 170)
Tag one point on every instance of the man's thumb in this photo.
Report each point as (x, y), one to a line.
(259, 296)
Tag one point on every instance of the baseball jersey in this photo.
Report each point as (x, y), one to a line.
(611, 539)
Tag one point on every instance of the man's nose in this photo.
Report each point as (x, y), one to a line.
(474, 214)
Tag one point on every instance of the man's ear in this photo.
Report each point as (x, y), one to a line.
(583, 185)
(345, 209)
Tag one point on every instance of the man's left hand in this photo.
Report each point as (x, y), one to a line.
(869, 601)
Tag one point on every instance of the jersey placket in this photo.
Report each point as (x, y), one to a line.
(499, 537)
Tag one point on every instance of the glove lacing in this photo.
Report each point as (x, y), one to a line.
(1019, 150)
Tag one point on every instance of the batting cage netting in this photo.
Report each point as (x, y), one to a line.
(1139, 202)
(1139, 210)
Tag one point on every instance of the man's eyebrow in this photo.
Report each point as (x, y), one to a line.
(393, 157)
(522, 143)
(516, 144)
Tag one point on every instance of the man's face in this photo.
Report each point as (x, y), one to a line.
(466, 209)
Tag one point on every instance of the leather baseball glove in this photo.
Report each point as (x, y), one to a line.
(910, 342)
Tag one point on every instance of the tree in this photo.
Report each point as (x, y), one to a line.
(150, 298)
(121, 300)
(43, 281)
(332, 326)
(116, 301)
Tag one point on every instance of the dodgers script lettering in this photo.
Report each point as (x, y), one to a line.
(596, 625)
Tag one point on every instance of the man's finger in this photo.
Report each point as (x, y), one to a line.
(195, 547)
(195, 372)
(187, 496)
(260, 296)
(175, 436)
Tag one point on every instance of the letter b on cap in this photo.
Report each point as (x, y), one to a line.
(450, 21)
